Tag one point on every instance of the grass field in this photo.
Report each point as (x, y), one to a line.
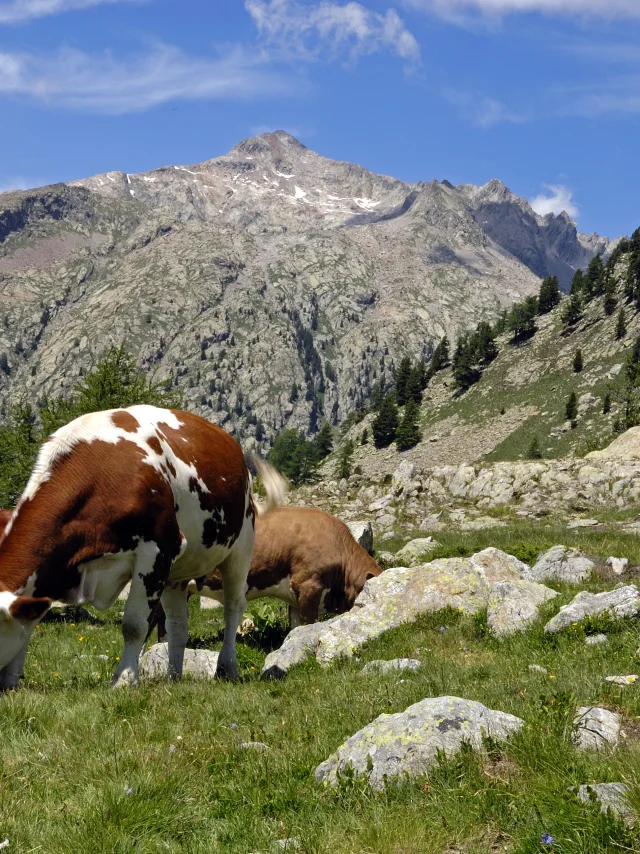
(88, 769)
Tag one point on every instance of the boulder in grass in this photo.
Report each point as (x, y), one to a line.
(596, 728)
(201, 663)
(363, 534)
(417, 551)
(612, 797)
(408, 743)
(563, 564)
(513, 606)
(620, 602)
(394, 665)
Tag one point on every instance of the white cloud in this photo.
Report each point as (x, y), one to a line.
(558, 198)
(25, 10)
(102, 83)
(483, 111)
(452, 9)
(310, 31)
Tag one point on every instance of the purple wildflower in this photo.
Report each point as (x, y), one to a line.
(546, 839)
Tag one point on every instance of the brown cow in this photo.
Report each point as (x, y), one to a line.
(5, 516)
(152, 496)
(305, 557)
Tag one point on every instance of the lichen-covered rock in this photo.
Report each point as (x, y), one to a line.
(560, 563)
(498, 565)
(393, 665)
(621, 602)
(513, 605)
(362, 534)
(201, 663)
(407, 743)
(298, 645)
(625, 447)
(596, 728)
(386, 560)
(417, 551)
(611, 797)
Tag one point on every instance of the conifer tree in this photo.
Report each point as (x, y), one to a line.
(572, 311)
(522, 319)
(610, 300)
(621, 325)
(577, 362)
(571, 409)
(593, 280)
(465, 371)
(549, 295)
(440, 358)
(344, 465)
(408, 433)
(606, 404)
(577, 283)
(294, 393)
(377, 397)
(401, 379)
(415, 384)
(485, 345)
(323, 442)
(385, 425)
(534, 452)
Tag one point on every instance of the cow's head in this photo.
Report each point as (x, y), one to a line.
(18, 618)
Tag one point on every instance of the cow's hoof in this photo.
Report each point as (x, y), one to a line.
(126, 679)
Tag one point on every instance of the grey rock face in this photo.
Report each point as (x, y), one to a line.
(394, 665)
(417, 551)
(596, 728)
(362, 534)
(200, 663)
(562, 564)
(407, 743)
(611, 797)
(513, 605)
(621, 602)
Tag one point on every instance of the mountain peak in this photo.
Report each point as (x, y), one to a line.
(266, 142)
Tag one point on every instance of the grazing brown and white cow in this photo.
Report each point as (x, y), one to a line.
(5, 516)
(305, 557)
(152, 496)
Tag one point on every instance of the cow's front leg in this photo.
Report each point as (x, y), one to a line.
(12, 673)
(150, 573)
(174, 602)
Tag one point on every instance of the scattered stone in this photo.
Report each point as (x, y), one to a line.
(611, 796)
(253, 745)
(362, 534)
(386, 520)
(619, 565)
(621, 602)
(417, 551)
(622, 680)
(405, 479)
(583, 523)
(298, 645)
(596, 728)
(380, 503)
(562, 564)
(513, 605)
(246, 627)
(538, 668)
(291, 844)
(208, 604)
(408, 743)
(388, 536)
(200, 663)
(392, 666)
(595, 640)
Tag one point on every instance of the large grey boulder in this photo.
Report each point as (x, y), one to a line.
(362, 534)
(408, 743)
(625, 447)
(495, 562)
(561, 563)
(621, 602)
(405, 480)
(596, 728)
(201, 663)
(417, 551)
(397, 596)
(513, 605)
(611, 797)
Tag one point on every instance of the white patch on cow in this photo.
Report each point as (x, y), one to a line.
(282, 590)
(7, 598)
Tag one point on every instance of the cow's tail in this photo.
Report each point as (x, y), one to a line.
(275, 486)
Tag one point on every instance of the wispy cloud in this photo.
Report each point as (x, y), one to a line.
(19, 182)
(311, 31)
(102, 83)
(25, 10)
(558, 198)
(482, 110)
(454, 10)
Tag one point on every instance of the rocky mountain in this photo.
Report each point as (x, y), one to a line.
(272, 286)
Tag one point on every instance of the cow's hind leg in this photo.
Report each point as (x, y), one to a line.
(150, 573)
(174, 603)
(234, 570)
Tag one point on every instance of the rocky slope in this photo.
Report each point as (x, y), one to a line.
(265, 268)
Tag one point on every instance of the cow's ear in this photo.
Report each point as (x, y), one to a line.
(27, 608)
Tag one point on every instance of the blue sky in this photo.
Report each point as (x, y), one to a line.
(543, 94)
